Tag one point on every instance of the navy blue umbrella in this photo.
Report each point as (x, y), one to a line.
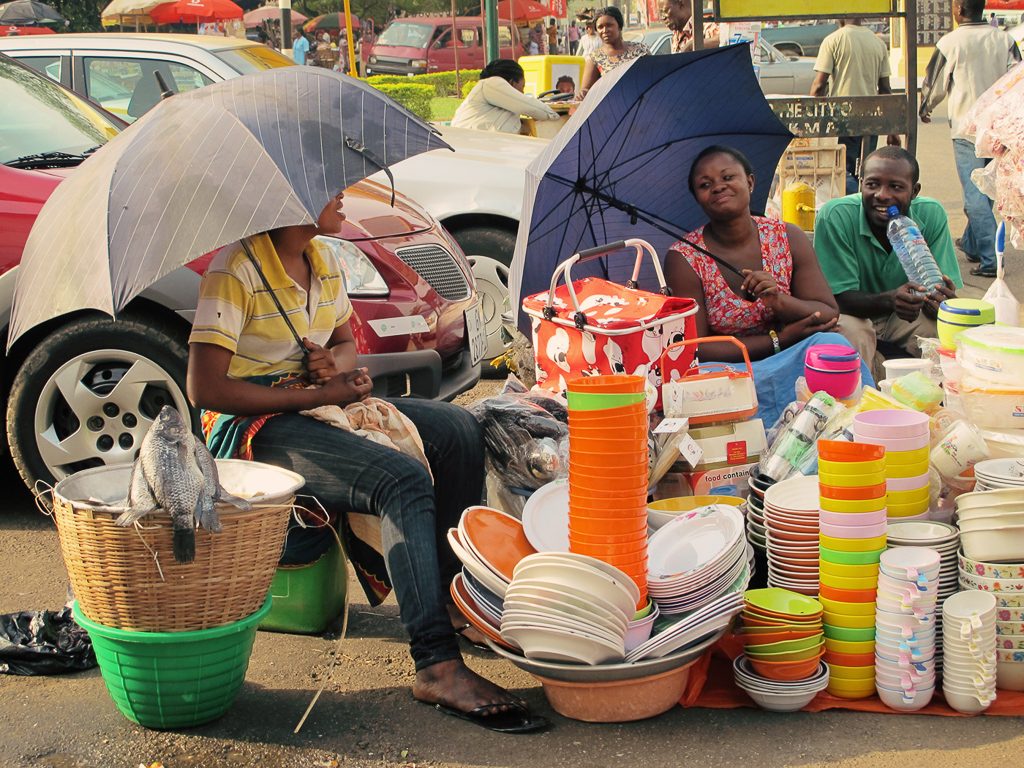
(618, 168)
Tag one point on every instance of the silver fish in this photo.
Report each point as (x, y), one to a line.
(175, 472)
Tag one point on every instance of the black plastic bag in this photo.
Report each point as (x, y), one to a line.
(43, 643)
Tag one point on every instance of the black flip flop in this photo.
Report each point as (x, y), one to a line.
(979, 272)
(461, 632)
(505, 717)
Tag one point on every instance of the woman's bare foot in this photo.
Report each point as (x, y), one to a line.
(461, 625)
(452, 684)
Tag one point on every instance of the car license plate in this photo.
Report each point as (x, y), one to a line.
(476, 332)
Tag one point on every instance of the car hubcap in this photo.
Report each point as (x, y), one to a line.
(96, 408)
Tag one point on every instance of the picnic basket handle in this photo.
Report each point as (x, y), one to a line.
(664, 361)
(563, 271)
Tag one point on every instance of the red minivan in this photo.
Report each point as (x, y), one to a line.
(413, 45)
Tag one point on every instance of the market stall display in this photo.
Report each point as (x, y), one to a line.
(969, 672)
(905, 437)
(791, 534)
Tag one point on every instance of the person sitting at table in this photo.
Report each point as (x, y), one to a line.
(875, 298)
(497, 102)
(754, 278)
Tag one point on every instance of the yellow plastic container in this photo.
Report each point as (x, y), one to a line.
(843, 468)
(853, 545)
(833, 571)
(907, 470)
(851, 673)
(851, 689)
(903, 458)
(845, 646)
(542, 72)
(848, 609)
(798, 200)
(916, 496)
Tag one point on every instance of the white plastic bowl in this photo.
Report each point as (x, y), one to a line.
(899, 700)
(1010, 675)
(965, 702)
(780, 702)
(994, 545)
(639, 631)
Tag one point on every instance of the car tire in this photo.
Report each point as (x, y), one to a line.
(494, 243)
(66, 412)
(492, 288)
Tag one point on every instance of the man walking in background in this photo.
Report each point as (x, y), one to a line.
(300, 48)
(966, 62)
(678, 17)
(573, 36)
(857, 63)
(590, 42)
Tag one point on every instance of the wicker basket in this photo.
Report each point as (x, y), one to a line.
(127, 578)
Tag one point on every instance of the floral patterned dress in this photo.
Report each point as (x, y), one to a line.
(728, 314)
(606, 63)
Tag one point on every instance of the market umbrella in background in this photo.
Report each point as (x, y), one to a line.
(30, 13)
(270, 13)
(200, 170)
(128, 13)
(618, 167)
(518, 10)
(195, 11)
(329, 22)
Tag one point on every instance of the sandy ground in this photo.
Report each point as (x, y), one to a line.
(366, 716)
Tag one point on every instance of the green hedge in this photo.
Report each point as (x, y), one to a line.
(443, 83)
(413, 96)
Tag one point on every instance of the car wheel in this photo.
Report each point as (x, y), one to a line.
(86, 396)
(492, 288)
(790, 50)
(497, 244)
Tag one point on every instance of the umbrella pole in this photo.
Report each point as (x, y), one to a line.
(351, 42)
(455, 49)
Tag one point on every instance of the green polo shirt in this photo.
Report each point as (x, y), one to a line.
(853, 259)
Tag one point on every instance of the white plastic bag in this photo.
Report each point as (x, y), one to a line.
(999, 294)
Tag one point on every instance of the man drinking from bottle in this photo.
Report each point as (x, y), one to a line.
(877, 302)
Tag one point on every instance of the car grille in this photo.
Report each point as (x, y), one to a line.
(439, 268)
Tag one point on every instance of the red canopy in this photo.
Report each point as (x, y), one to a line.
(518, 10)
(1004, 5)
(195, 11)
(7, 30)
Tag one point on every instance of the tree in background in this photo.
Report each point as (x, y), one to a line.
(82, 15)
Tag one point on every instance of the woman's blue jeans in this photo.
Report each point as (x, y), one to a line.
(350, 473)
(979, 238)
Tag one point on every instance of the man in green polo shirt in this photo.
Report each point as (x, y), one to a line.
(876, 301)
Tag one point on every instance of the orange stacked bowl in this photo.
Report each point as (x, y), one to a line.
(852, 524)
(608, 473)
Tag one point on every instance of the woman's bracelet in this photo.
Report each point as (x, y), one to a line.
(776, 346)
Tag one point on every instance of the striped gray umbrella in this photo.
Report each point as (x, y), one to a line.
(200, 170)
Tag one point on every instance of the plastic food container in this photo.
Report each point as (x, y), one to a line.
(993, 353)
(991, 407)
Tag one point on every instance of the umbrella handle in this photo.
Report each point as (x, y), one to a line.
(564, 270)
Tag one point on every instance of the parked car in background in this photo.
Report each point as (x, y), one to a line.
(413, 45)
(779, 73)
(798, 39)
(81, 390)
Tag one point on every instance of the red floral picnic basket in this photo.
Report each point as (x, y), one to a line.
(592, 326)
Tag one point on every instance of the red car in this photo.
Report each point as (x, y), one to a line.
(82, 390)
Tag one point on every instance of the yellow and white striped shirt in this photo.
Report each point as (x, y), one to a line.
(238, 313)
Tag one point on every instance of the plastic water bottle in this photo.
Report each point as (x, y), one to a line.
(912, 251)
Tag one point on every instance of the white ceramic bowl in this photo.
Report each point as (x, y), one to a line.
(905, 701)
(990, 570)
(1010, 675)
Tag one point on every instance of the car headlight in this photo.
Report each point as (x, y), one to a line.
(362, 280)
(373, 59)
(419, 63)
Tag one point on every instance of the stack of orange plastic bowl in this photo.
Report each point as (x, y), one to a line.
(608, 473)
(905, 437)
(782, 633)
(852, 494)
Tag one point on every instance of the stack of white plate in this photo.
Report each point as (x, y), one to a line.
(567, 607)
(712, 619)
(779, 695)
(698, 557)
(969, 676)
(999, 473)
(944, 539)
(791, 516)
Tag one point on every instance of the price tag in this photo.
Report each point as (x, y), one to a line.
(690, 451)
(671, 426)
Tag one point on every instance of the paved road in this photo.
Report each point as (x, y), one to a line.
(367, 718)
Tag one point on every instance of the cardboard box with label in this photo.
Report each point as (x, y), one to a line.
(727, 454)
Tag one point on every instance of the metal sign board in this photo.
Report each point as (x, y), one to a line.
(746, 10)
(934, 19)
(841, 115)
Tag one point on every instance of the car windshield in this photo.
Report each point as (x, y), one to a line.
(406, 34)
(253, 58)
(40, 117)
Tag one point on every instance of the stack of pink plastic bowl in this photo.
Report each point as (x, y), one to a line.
(904, 435)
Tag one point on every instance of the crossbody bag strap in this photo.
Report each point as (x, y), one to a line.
(277, 302)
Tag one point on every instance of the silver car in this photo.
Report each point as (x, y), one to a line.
(780, 74)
